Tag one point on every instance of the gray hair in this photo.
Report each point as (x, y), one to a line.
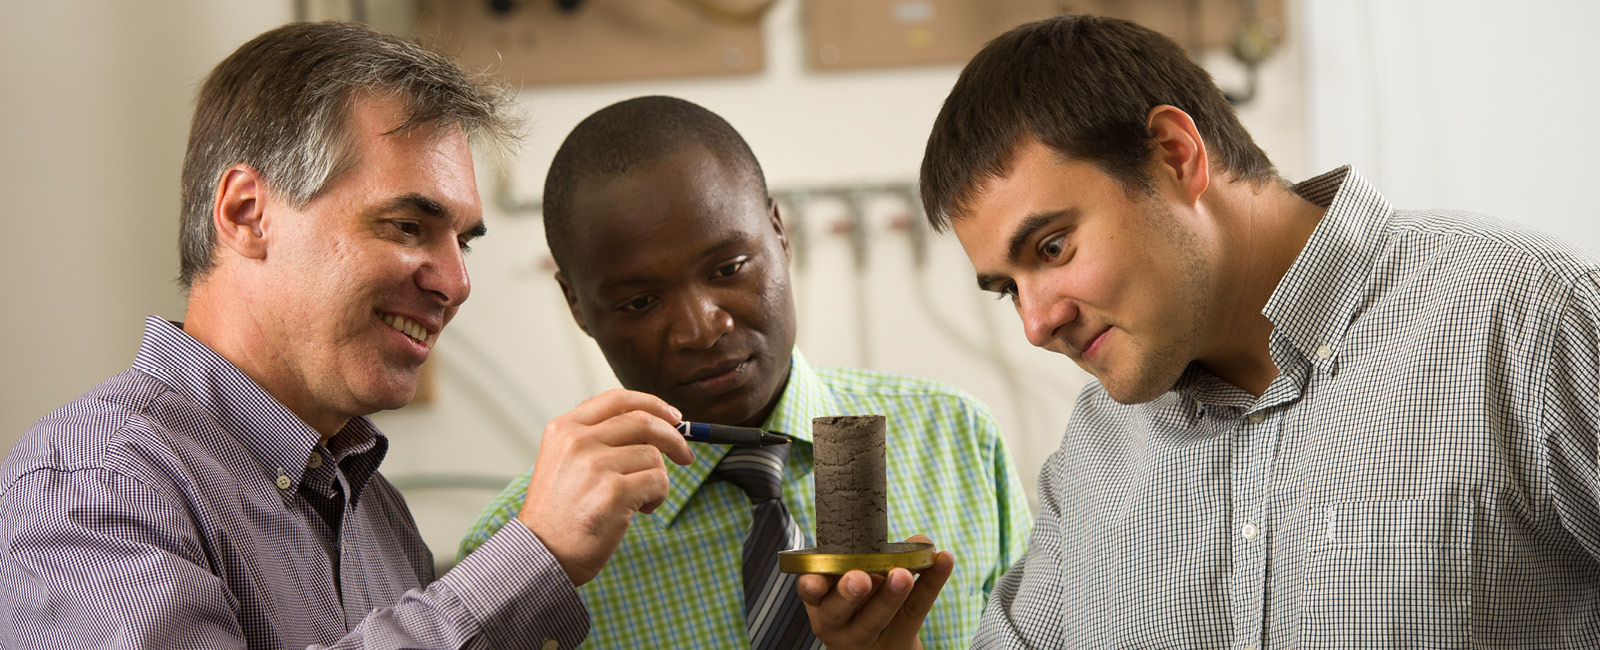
(280, 104)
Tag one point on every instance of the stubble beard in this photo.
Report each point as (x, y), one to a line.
(1157, 370)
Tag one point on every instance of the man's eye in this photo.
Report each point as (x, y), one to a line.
(637, 304)
(1052, 248)
(1008, 290)
(466, 246)
(731, 268)
(410, 228)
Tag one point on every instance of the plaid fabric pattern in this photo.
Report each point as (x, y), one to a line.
(167, 509)
(1421, 474)
(675, 582)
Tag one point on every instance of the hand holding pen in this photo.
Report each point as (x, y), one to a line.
(722, 434)
(598, 465)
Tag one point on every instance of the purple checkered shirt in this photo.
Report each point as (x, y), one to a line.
(177, 506)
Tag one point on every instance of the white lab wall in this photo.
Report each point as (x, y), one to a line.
(1469, 104)
(1460, 104)
(94, 112)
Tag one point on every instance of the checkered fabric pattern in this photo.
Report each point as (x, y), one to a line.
(168, 509)
(676, 580)
(1421, 474)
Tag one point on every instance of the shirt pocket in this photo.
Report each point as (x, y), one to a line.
(1388, 573)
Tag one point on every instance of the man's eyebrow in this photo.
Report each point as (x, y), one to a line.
(1030, 225)
(731, 242)
(414, 202)
(1025, 231)
(987, 281)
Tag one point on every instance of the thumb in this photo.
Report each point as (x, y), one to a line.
(920, 601)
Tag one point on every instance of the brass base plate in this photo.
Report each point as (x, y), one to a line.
(906, 555)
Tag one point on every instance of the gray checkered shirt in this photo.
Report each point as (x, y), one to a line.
(1421, 474)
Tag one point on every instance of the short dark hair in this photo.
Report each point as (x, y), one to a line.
(280, 104)
(627, 135)
(1083, 86)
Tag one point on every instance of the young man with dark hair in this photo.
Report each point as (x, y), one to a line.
(224, 492)
(674, 260)
(1318, 421)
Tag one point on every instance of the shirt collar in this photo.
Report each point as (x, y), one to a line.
(1316, 301)
(278, 440)
(804, 397)
(357, 460)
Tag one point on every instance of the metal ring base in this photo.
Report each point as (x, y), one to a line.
(906, 555)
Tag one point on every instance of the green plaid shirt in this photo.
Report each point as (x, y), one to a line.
(675, 580)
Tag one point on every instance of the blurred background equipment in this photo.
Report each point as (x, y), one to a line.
(533, 42)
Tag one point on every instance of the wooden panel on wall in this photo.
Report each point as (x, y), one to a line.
(537, 42)
(844, 34)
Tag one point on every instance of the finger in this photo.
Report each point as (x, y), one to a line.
(838, 608)
(584, 465)
(629, 459)
(643, 428)
(922, 596)
(812, 587)
(617, 401)
(670, 442)
(642, 490)
(878, 611)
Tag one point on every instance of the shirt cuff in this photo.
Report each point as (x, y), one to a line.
(519, 593)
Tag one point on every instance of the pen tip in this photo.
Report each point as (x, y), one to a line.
(770, 438)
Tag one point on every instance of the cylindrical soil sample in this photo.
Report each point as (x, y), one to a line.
(851, 478)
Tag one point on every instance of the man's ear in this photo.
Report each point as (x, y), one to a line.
(1180, 151)
(777, 227)
(572, 302)
(239, 213)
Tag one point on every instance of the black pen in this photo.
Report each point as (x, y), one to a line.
(722, 434)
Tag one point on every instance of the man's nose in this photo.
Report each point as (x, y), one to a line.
(1044, 315)
(699, 322)
(445, 275)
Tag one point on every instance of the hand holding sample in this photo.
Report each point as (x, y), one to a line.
(861, 610)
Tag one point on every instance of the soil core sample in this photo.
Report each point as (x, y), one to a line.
(851, 479)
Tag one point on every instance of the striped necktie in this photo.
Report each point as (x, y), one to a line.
(772, 609)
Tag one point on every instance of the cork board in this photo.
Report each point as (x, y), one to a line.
(847, 34)
(537, 42)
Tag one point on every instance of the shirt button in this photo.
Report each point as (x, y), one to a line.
(284, 482)
(1249, 531)
(550, 644)
(1324, 352)
(1257, 418)
(316, 460)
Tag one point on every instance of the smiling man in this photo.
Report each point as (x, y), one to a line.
(223, 492)
(674, 260)
(1318, 421)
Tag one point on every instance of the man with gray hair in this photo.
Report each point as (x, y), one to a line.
(223, 492)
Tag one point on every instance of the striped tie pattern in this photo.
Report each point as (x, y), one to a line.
(772, 609)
